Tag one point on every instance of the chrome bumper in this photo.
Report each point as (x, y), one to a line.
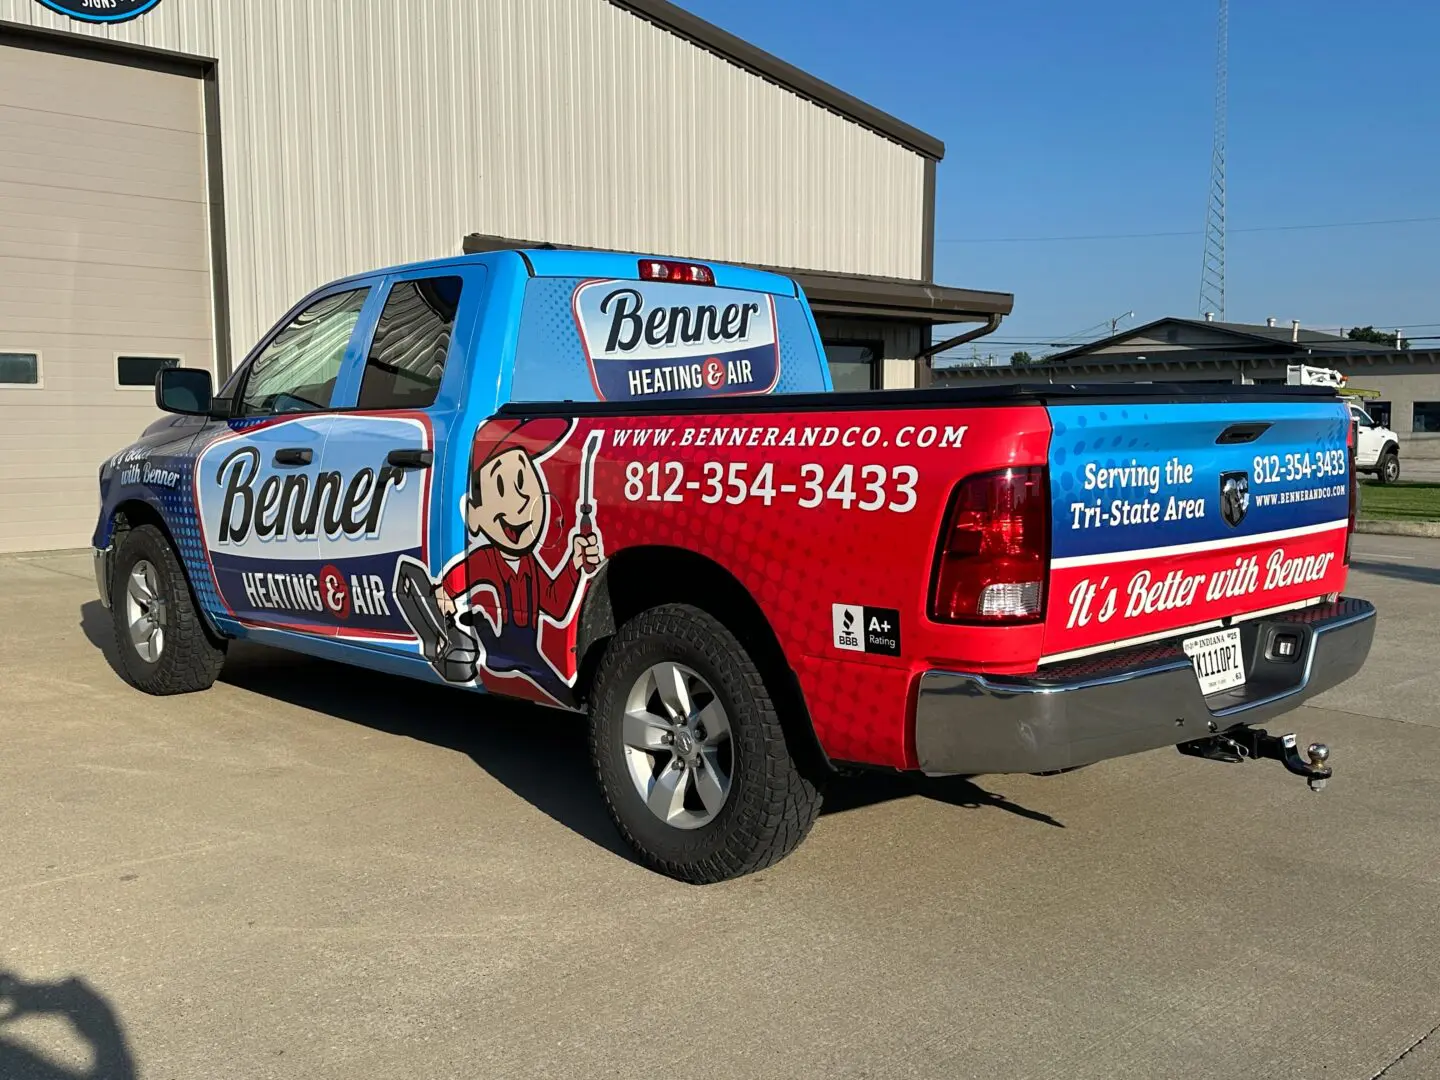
(102, 560)
(1131, 700)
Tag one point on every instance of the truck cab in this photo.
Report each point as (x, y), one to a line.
(1377, 448)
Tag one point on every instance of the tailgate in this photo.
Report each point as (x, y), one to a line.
(1169, 516)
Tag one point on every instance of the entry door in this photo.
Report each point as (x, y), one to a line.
(384, 448)
(266, 499)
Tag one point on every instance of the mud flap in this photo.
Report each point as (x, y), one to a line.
(450, 649)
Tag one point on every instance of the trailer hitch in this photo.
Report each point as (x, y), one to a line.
(1242, 742)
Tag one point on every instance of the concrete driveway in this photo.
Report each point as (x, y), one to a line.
(314, 872)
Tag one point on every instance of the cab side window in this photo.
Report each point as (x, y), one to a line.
(412, 340)
(297, 371)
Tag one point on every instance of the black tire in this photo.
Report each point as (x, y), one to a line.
(771, 805)
(1387, 469)
(189, 658)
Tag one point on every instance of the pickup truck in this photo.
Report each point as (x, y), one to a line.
(622, 486)
(1377, 448)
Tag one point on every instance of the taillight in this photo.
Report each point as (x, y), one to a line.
(991, 556)
(681, 273)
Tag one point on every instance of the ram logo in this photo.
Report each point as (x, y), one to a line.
(1234, 497)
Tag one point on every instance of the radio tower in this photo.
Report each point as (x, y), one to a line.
(1212, 273)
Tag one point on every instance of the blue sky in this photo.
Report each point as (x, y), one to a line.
(1063, 119)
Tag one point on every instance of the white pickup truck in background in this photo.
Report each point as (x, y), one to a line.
(1377, 448)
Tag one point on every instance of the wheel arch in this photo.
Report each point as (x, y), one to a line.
(639, 578)
(134, 512)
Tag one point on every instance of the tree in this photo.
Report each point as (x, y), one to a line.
(1378, 337)
(1021, 357)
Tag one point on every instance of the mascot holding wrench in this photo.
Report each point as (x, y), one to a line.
(507, 513)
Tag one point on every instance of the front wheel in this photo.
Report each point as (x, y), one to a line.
(164, 646)
(690, 754)
(1387, 470)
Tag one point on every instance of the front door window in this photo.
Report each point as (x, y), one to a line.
(297, 370)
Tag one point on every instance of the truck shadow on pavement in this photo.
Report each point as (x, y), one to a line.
(542, 755)
(99, 631)
(89, 1015)
(868, 788)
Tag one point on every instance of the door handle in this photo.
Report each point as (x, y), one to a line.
(411, 459)
(294, 455)
(1241, 433)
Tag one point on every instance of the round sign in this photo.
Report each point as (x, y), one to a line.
(334, 593)
(100, 11)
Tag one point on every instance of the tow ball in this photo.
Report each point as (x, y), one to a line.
(1240, 743)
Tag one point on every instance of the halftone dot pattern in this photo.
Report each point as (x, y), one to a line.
(800, 364)
(178, 504)
(177, 509)
(550, 360)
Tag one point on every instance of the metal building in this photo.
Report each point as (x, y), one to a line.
(172, 179)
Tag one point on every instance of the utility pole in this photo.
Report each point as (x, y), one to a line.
(1212, 271)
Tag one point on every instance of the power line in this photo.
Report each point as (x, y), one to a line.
(1379, 324)
(1183, 232)
(1249, 351)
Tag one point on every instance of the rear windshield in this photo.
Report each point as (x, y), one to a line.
(583, 339)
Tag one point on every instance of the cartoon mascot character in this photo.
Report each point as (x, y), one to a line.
(500, 587)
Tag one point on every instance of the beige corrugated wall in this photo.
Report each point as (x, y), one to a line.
(358, 133)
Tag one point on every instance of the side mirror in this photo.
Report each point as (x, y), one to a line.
(187, 391)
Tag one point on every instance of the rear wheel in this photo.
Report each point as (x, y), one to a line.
(1387, 469)
(164, 646)
(690, 753)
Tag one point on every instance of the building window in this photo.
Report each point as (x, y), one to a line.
(1427, 416)
(141, 370)
(1379, 412)
(412, 338)
(854, 365)
(19, 368)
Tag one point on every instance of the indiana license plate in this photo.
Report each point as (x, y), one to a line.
(1216, 660)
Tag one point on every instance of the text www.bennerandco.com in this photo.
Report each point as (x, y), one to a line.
(943, 436)
(1281, 498)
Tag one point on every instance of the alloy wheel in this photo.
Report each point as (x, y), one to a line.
(145, 611)
(678, 747)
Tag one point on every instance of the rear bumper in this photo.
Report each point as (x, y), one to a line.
(1131, 700)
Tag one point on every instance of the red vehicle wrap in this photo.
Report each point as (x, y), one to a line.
(808, 512)
(816, 514)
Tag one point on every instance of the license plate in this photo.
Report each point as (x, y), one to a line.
(1216, 660)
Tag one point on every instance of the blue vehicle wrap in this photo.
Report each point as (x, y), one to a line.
(1122, 475)
(308, 554)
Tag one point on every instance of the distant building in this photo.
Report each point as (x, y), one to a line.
(1201, 339)
(1407, 382)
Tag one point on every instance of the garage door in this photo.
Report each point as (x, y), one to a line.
(104, 274)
